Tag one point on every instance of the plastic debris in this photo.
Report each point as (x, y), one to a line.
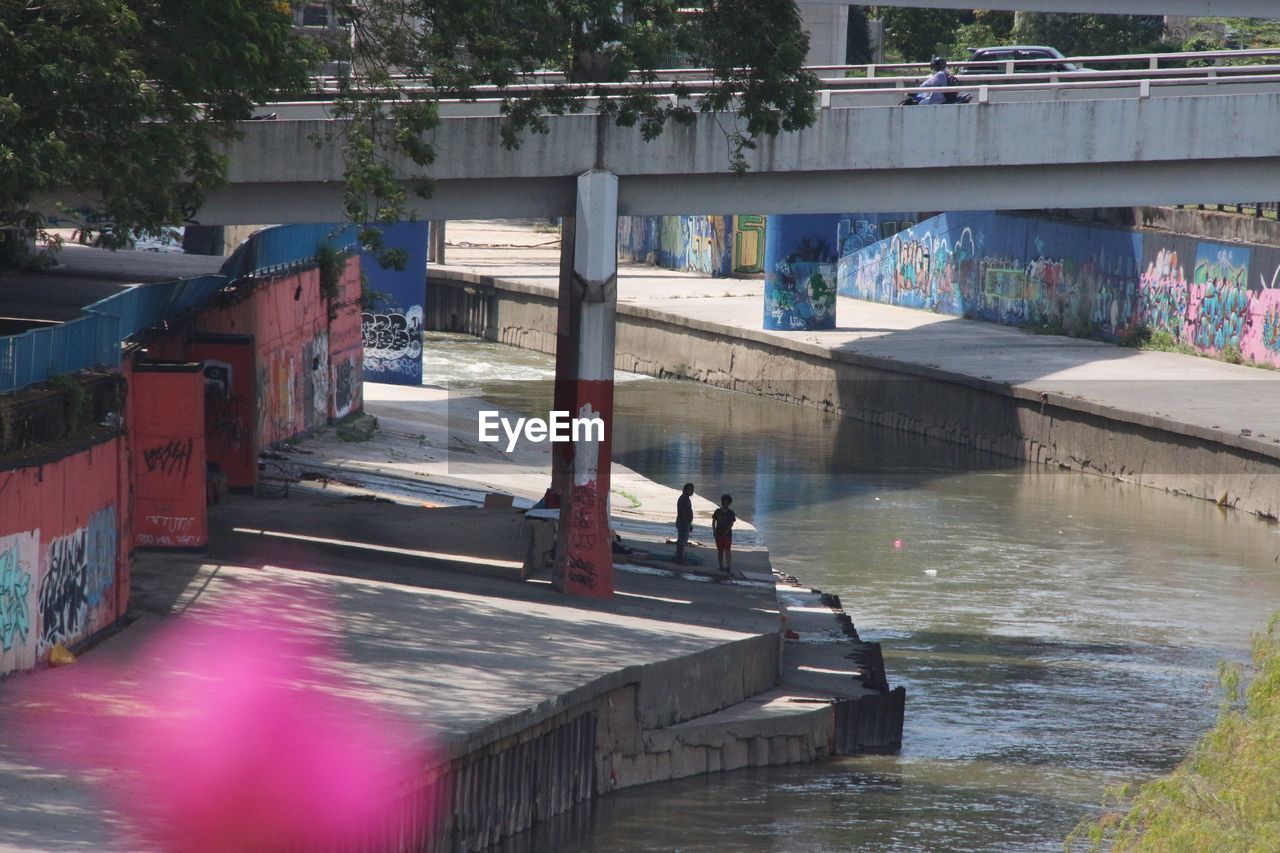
(60, 655)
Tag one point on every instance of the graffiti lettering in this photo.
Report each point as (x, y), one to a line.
(582, 572)
(153, 541)
(171, 458)
(64, 600)
(100, 569)
(346, 387)
(173, 524)
(15, 584)
(392, 341)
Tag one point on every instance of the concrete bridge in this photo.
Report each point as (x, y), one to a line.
(1087, 139)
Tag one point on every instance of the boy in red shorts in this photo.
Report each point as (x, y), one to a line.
(722, 526)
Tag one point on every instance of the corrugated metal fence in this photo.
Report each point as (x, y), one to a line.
(93, 340)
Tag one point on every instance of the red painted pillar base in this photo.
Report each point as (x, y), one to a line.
(584, 385)
(588, 544)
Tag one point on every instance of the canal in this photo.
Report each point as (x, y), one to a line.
(1057, 633)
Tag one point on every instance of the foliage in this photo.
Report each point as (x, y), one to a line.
(1079, 35)
(330, 261)
(407, 54)
(918, 34)
(857, 39)
(370, 299)
(127, 100)
(987, 29)
(79, 405)
(1223, 796)
(1243, 32)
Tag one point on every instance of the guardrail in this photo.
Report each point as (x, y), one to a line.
(1004, 86)
(327, 86)
(94, 339)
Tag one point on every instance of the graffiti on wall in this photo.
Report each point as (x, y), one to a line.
(100, 560)
(800, 272)
(346, 386)
(18, 558)
(748, 244)
(393, 340)
(702, 244)
(80, 568)
(392, 334)
(171, 458)
(316, 381)
(1087, 280)
(278, 413)
(859, 230)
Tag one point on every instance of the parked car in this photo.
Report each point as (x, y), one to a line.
(1053, 60)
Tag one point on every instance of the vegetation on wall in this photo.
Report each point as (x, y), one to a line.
(79, 405)
(330, 262)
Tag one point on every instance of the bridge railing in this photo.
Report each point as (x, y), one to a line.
(832, 74)
(94, 339)
(1181, 69)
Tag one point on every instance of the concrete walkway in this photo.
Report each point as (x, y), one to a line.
(1231, 404)
(383, 550)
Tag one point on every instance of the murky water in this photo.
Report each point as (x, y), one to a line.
(1056, 633)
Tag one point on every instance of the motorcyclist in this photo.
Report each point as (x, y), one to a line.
(939, 77)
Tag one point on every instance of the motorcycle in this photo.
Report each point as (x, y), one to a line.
(948, 97)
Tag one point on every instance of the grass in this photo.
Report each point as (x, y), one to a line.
(635, 501)
(1223, 795)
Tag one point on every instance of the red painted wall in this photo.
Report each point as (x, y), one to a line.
(346, 347)
(290, 325)
(67, 528)
(230, 406)
(63, 562)
(166, 428)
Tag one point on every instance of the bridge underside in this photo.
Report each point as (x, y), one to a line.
(1220, 146)
(966, 188)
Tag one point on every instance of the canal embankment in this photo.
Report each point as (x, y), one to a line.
(529, 702)
(1180, 423)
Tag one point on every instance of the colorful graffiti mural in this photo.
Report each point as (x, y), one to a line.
(702, 244)
(19, 558)
(392, 334)
(1086, 280)
(800, 272)
(748, 244)
(78, 570)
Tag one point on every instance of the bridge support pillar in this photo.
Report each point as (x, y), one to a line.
(584, 388)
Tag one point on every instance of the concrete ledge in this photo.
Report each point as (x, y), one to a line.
(1012, 420)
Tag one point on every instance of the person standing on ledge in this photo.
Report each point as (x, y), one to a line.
(722, 526)
(684, 520)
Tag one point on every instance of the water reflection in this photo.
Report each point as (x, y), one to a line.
(1065, 639)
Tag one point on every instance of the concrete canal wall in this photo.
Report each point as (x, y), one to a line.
(1052, 428)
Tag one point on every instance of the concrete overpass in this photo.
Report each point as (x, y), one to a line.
(1088, 142)
(1194, 8)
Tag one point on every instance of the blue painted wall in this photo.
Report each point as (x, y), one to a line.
(393, 331)
(1083, 279)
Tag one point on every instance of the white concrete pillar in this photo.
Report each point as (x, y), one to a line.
(584, 560)
(828, 27)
